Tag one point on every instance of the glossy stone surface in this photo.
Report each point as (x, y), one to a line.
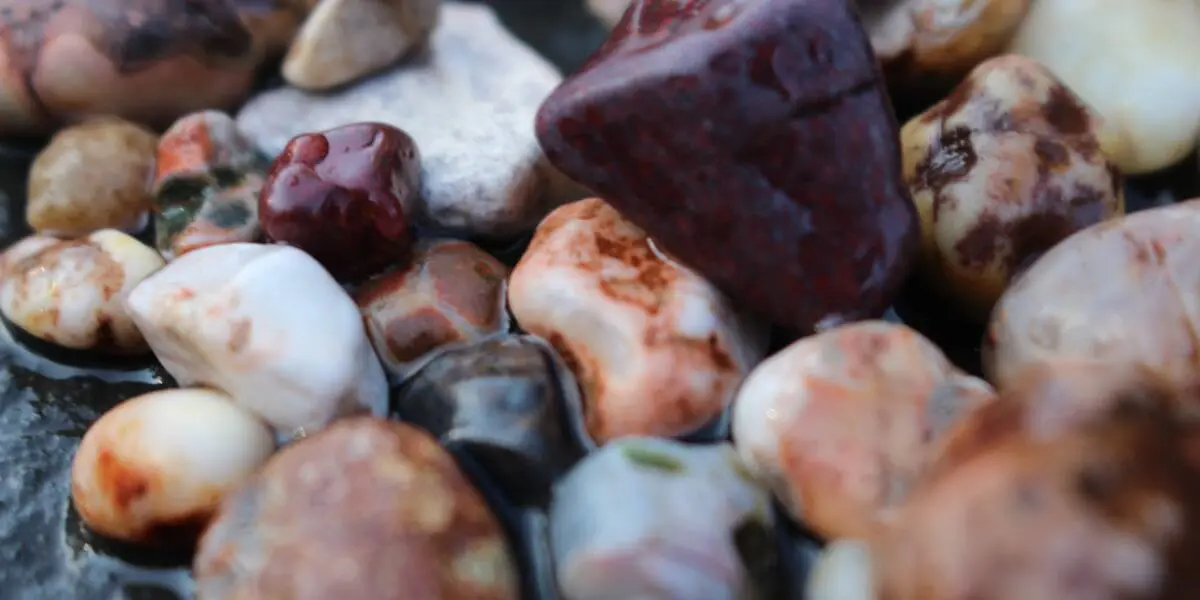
(453, 292)
(504, 401)
(207, 179)
(365, 509)
(752, 140)
(345, 196)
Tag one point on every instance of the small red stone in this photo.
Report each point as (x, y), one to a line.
(754, 141)
(344, 196)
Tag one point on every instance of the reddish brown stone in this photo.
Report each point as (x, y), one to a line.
(343, 196)
(755, 142)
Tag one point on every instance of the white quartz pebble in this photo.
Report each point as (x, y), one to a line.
(71, 292)
(655, 519)
(1134, 62)
(267, 325)
(153, 469)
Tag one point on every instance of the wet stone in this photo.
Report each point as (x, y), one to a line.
(345, 196)
(207, 180)
(506, 403)
(798, 139)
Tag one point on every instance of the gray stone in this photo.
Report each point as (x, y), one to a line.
(469, 103)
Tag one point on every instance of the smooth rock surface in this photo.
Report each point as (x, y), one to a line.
(453, 292)
(469, 104)
(344, 40)
(710, 124)
(207, 179)
(345, 196)
(266, 325)
(508, 402)
(657, 349)
(1131, 61)
(394, 517)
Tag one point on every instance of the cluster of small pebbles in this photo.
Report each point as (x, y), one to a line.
(687, 370)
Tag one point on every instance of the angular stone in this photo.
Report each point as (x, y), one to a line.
(653, 518)
(72, 292)
(752, 140)
(345, 196)
(469, 104)
(92, 176)
(657, 349)
(207, 180)
(452, 292)
(344, 40)
(266, 325)
(505, 402)
(365, 509)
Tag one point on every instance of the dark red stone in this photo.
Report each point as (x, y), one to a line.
(754, 141)
(343, 196)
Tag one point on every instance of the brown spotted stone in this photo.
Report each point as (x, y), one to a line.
(1003, 169)
(657, 349)
(453, 292)
(366, 508)
(752, 140)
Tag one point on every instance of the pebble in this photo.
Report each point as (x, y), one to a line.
(1118, 293)
(343, 41)
(92, 176)
(1131, 61)
(659, 520)
(207, 179)
(148, 61)
(266, 325)
(657, 350)
(920, 41)
(506, 401)
(364, 509)
(345, 196)
(153, 469)
(608, 11)
(469, 104)
(72, 292)
(452, 292)
(777, 121)
(1004, 168)
(843, 423)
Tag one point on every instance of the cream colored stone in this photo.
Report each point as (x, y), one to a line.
(656, 348)
(1134, 62)
(345, 40)
(608, 11)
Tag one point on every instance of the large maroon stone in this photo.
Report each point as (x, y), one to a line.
(754, 141)
(343, 196)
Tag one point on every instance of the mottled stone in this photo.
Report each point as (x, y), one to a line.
(469, 104)
(346, 197)
(843, 423)
(90, 177)
(767, 159)
(266, 325)
(653, 518)
(920, 40)
(657, 349)
(1000, 171)
(207, 180)
(146, 60)
(505, 401)
(72, 292)
(452, 292)
(153, 469)
(345, 40)
(1133, 62)
(364, 509)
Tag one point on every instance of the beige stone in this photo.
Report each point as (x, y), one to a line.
(608, 11)
(345, 40)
